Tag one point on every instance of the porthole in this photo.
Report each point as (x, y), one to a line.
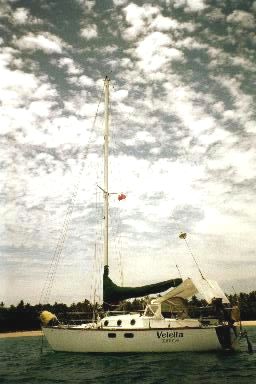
(119, 322)
(129, 335)
(112, 335)
(133, 321)
(106, 323)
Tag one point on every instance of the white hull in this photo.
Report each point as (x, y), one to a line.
(143, 340)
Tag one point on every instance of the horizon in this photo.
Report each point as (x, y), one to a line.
(83, 300)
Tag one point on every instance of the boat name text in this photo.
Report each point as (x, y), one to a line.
(169, 336)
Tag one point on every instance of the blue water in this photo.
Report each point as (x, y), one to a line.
(21, 362)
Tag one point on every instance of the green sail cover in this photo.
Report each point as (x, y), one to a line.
(112, 293)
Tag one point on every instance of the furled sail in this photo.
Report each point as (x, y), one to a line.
(208, 289)
(112, 293)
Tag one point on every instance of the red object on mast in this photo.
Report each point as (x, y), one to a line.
(121, 197)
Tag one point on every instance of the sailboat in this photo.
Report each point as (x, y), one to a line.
(164, 326)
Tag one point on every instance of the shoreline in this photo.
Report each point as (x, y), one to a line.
(20, 334)
(246, 323)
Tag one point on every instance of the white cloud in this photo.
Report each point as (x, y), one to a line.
(177, 3)
(138, 18)
(162, 23)
(154, 52)
(120, 94)
(243, 103)
(190, 43)
(16, 86)
(219, 57)
(87, 4)
(216, 15)
(89, 32)
(65, 130)
(109, 49)
(44, 41)
(20, 82)
(147, 18)
(195, 5)
(140, 137)
(250, 126)
(41, 108)
(5, 9)
(120, 2)
(126, 63)
(243, 19)
(85, 81)
(44, 90)
(81, 106)
(244, 162)
(24, 97)
(70, 66)
(22, 16)
(189, 5)
(216, 135)
(139, 175)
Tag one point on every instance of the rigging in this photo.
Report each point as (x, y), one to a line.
(46, 290)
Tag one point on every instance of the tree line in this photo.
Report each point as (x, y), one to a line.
(26, 317)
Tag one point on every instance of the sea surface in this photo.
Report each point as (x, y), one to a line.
(22, 362)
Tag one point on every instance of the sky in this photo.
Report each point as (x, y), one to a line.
(182, 144)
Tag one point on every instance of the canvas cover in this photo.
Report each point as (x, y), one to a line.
(208, 289)
(113, 294)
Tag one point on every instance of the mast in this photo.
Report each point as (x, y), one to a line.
(106, 151)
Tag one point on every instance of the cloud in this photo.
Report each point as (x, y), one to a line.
(216, 15)
(195, 5)
(16, 85)
(21, 16)
(120, 95)
(154, 52)
(142, 137)
(162, 23)
(19, 84)
(82, 81)
(44, 41)
(69, 65)
(189, 5)
(89, 32)
(138, 18)
(243, 19)
(87, 4)
(191, 43)
(41, 108)
(147, 19)
(5, 9)
(120, 2)
(243, 103)
(24, 97)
